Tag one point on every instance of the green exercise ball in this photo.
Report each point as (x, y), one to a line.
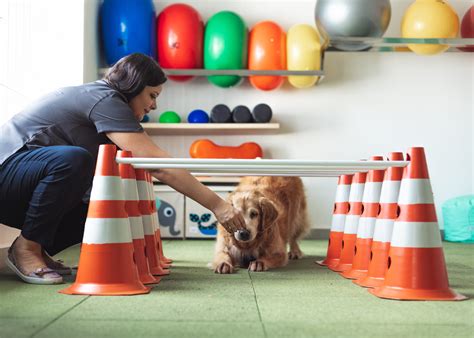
(169, 117)
(225, 46)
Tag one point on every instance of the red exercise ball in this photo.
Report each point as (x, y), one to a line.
(180, 32)
(267, 51)
(467, 28)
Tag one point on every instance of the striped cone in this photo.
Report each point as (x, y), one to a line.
(365, 230)
(106, 264)
(416, 265)
(131, 206)
(341, 207)
(384, 225)
(165, 262)
(148, 225)
(351, 224)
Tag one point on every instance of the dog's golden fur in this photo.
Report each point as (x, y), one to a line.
(274, 209)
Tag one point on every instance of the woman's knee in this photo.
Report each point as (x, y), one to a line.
(77, 160)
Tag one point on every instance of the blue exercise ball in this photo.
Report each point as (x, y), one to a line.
(198, 116)
(145, 119)
(128, 26)
(350, 18)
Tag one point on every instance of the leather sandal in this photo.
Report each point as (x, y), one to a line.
(57, 265)
(43, 276)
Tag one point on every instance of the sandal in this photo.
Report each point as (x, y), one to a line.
(43, 276)
(57, 265)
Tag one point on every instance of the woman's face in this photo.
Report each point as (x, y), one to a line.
(145, 102)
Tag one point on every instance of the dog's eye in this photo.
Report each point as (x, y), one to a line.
(253, 214)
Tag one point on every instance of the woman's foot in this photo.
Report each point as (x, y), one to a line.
(26, 259)
(56, 265)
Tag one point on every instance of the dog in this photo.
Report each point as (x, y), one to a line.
(275, 214)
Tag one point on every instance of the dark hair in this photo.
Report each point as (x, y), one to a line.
(132, 73)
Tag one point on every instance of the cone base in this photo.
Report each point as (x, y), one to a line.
(105, 290)
(416, 294)
(333, 263)
(322, 263)
(341, 267)
(159, 271)
(369, 282)
(167, 260)
(149, 279)
(354, 274)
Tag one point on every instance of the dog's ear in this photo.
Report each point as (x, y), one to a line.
(269, 213)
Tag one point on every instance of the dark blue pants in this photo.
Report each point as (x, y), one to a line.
(41, 193)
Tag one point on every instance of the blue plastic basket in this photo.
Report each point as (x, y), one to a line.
(458, 215)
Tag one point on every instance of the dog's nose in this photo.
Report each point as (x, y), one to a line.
(243, 235)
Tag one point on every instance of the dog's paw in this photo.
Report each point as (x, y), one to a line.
(224, 268)
(295, 254)
(257, 266)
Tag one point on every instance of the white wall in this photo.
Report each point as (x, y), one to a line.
(41, 49)
(368, 103)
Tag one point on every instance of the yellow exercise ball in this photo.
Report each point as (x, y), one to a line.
(429, 19)
(303, 52)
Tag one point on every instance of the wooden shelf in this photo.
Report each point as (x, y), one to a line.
(209, 128)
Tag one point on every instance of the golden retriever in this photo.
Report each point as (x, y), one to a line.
(274, 209)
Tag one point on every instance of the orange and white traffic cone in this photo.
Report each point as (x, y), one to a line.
(106, 264)
(341, 207)
(416, 265)
(165, 262)
(131, 206)
(365, 230)
(384, 225)
(351, 224)
(148, 225)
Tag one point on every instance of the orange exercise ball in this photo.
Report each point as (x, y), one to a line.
(429, 19)
(267, 51)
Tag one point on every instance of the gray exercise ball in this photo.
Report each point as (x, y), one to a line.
(352, 18)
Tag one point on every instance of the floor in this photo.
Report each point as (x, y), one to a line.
(300, 300)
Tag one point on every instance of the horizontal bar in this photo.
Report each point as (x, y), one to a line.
(260, 164)
(390, 41)
(237, 72)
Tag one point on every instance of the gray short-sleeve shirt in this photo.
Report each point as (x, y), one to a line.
(77, 116)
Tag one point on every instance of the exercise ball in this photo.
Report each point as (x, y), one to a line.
(467, 28)
(267, 51)
(145, 119)
(127, 27)
(352, 18)
(169, 117)
(198, 116)
(225, 46)
(180, 32)
(429, 19)
(303, 52)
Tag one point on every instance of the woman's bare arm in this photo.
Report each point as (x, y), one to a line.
(141, 145)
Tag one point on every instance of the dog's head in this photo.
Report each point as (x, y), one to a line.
(258, 211)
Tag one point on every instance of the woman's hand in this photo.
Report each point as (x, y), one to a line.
(229, 217)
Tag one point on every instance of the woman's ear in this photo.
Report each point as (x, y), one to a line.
(269, 213)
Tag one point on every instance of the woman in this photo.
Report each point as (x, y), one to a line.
(48, 154)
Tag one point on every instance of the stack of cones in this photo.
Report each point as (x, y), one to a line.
(148, 224)
(365, 230)
(384, 225)
(351, 224)
(341, 208)
(131, 206)
(106, 265)
(416, 265)
(165, 262)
